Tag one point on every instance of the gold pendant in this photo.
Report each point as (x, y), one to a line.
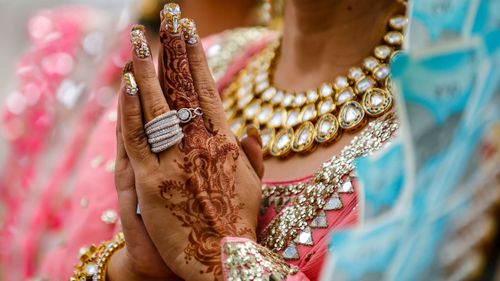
(352, 116)
(282, 143)
(303, 139)
(376, 102)
(327, 129)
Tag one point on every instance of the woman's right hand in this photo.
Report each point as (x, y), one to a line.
(139, 259)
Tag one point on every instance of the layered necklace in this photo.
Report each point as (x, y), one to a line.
(296, 121)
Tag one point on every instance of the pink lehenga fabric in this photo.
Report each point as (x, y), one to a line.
(46, 241)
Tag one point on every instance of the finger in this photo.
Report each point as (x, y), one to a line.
(121, 161)
(252, 146)
(161, 71)
(152, 98)
(177, 78)
(131, 125)
(204, 84)
(125, 179)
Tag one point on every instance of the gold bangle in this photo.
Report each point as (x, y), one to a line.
(94, 260)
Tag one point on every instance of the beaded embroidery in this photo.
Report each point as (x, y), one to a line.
(249, 261)
(306, 202)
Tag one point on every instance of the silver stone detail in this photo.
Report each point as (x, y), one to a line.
(320, 220)
(328, 180)
(333, 203)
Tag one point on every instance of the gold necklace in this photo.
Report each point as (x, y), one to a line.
(298, 120)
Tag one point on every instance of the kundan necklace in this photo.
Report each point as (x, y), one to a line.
(295, 121)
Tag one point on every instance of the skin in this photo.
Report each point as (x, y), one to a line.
(193, 194)
(321, 40)
(165, 189)
(208, 14)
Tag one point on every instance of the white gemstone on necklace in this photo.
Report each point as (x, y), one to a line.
(312, 96)
(237, 125)
(268, 94)
(383, 52)
(278, 97)
(300, 99)
(265, 137)
(341, 82)
(344, 96)
(394, 38)
(370, 63)
(325, 127)
(376, 100)
(287, 100)
(381, 72)
(364, 84)
(242, 102)
(283, 141)
(308, 113)
(351, 114)
(355, 73)
(326, 90)
(277, 118)
(293, 118)
(398, 22)
(244, 90)
(264, 114)
(251, 111)
(261, 77)
(262, 86)
(326, 106)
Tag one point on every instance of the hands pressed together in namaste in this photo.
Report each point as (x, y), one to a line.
(194, 182)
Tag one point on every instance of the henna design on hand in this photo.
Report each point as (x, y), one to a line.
(206, 201)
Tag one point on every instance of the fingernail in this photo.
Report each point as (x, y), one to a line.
(253, 132)
(189, 31)
(139, 42)
(172, 13)
(131, 87)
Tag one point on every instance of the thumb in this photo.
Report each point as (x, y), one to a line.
(252, 146)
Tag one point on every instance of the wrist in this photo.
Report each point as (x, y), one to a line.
(94, 260)
(121, 268)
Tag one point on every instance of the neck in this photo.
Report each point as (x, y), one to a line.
(324, 38)
(214, 16)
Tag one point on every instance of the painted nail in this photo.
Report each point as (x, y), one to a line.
(189, 31)
(253, 132)
(172, 13)
(139, 42)
(131, 87)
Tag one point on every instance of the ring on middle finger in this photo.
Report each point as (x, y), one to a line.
(189, 113)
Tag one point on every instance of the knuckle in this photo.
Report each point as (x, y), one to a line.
(207, 88)
(147, 74)
(124, 180)
(136, 137)
(197, 60)
(158, 107)
(132, 114)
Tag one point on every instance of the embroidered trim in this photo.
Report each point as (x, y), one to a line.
(311, 197)
(245, 260)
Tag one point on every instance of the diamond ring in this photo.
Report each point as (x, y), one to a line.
(187, 114)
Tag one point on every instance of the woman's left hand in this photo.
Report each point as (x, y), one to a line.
(196, 193)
